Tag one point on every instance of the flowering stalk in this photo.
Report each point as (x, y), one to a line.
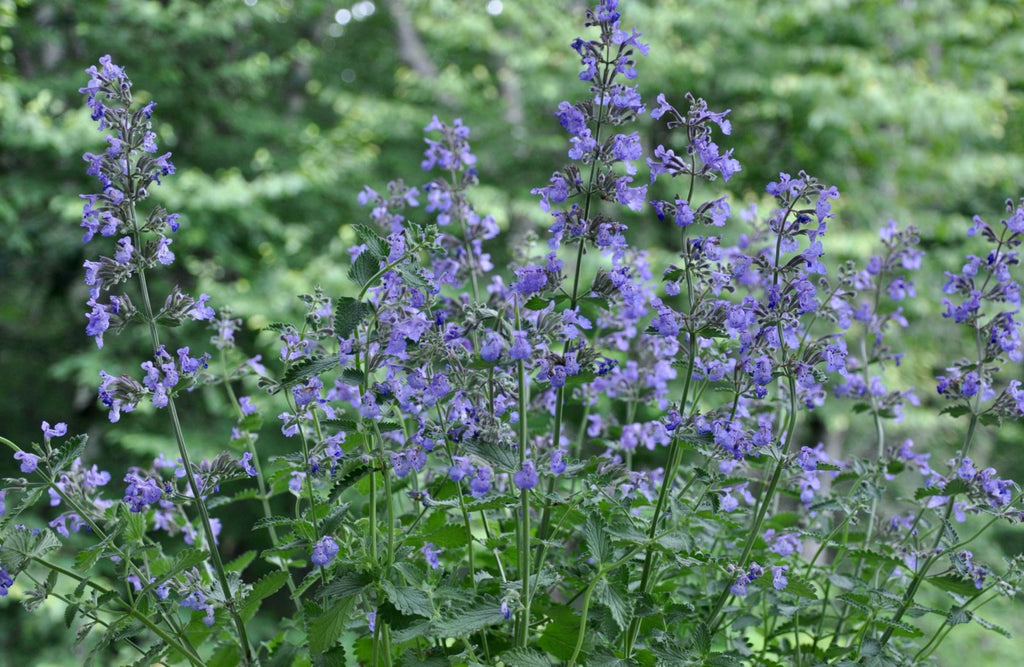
(523, 635)
(126, 171)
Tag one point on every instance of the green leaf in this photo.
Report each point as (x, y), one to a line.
(954, 487)
(67, 452)
(537, 303)
(87, 558)
(899, 628)
(802, 588)
(226, 655)
(363, 269)
(411, 277)
(324, 628)
(559, 637)
(345, 586)
(958, 616)
(304, 369)
(953, 583)
(261, 590)
(992, 626)
(333, 658)
(20, 546)
(241, 562)
(408, 600)
(598, 543)
(464, 622)
(273, 521)
(375, 244)
(617, 599)
(348, 314)
(134, 523)
(69, 614)
(504, 458)
(701, 639)
(955, 410)
(525, 657)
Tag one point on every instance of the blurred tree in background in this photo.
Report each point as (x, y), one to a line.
(279, 111)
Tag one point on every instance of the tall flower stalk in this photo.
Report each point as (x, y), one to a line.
(126, 171)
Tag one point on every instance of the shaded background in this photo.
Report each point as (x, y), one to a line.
(278, 112)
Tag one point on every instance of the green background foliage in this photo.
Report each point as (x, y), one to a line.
(278, 113)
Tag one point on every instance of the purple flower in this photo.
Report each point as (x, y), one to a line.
(557, 461)
(29, 462)
(6, 582)
(779, 580)
(247, 465)
(324, 551)
(141, 491)
(296, 481)
(197, 600)
(371, 620)
(431, 554)
(492, 346)
(481, 482)
(506, 611)
(58, 430)
(526, 478)
(531, 279)
(521, 348)
(461, 468)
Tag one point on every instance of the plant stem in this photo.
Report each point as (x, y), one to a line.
(127, 608)
(524, 500)
(262, 485)
(186, 463)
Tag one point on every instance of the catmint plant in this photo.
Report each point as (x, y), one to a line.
(597, 454)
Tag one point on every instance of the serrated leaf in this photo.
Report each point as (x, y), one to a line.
(324, 628)
(348, 314)
(134, 523)
(900, 628)
(251, 423)
(700, 640)
(87, 558)
(241, 562)
(262, 589)
(955, 410)
(375, 245)
(304, 369)
(954, 487)
(953, 584)
(465, 621)
(842, 582)
(958, 616)
(618, 601)
(408, 600)
(411, 277)
(345, 586)
(537, 303)
(598, 543)
(364, 269)
(992, 626)
(333, 658)
(273, 521)
(525, 657)
(69, 614)
(353, 377)
(559, 637)
(502, 457)
(244, 494)
(68, 451)
(226, 655)
(802, 588)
